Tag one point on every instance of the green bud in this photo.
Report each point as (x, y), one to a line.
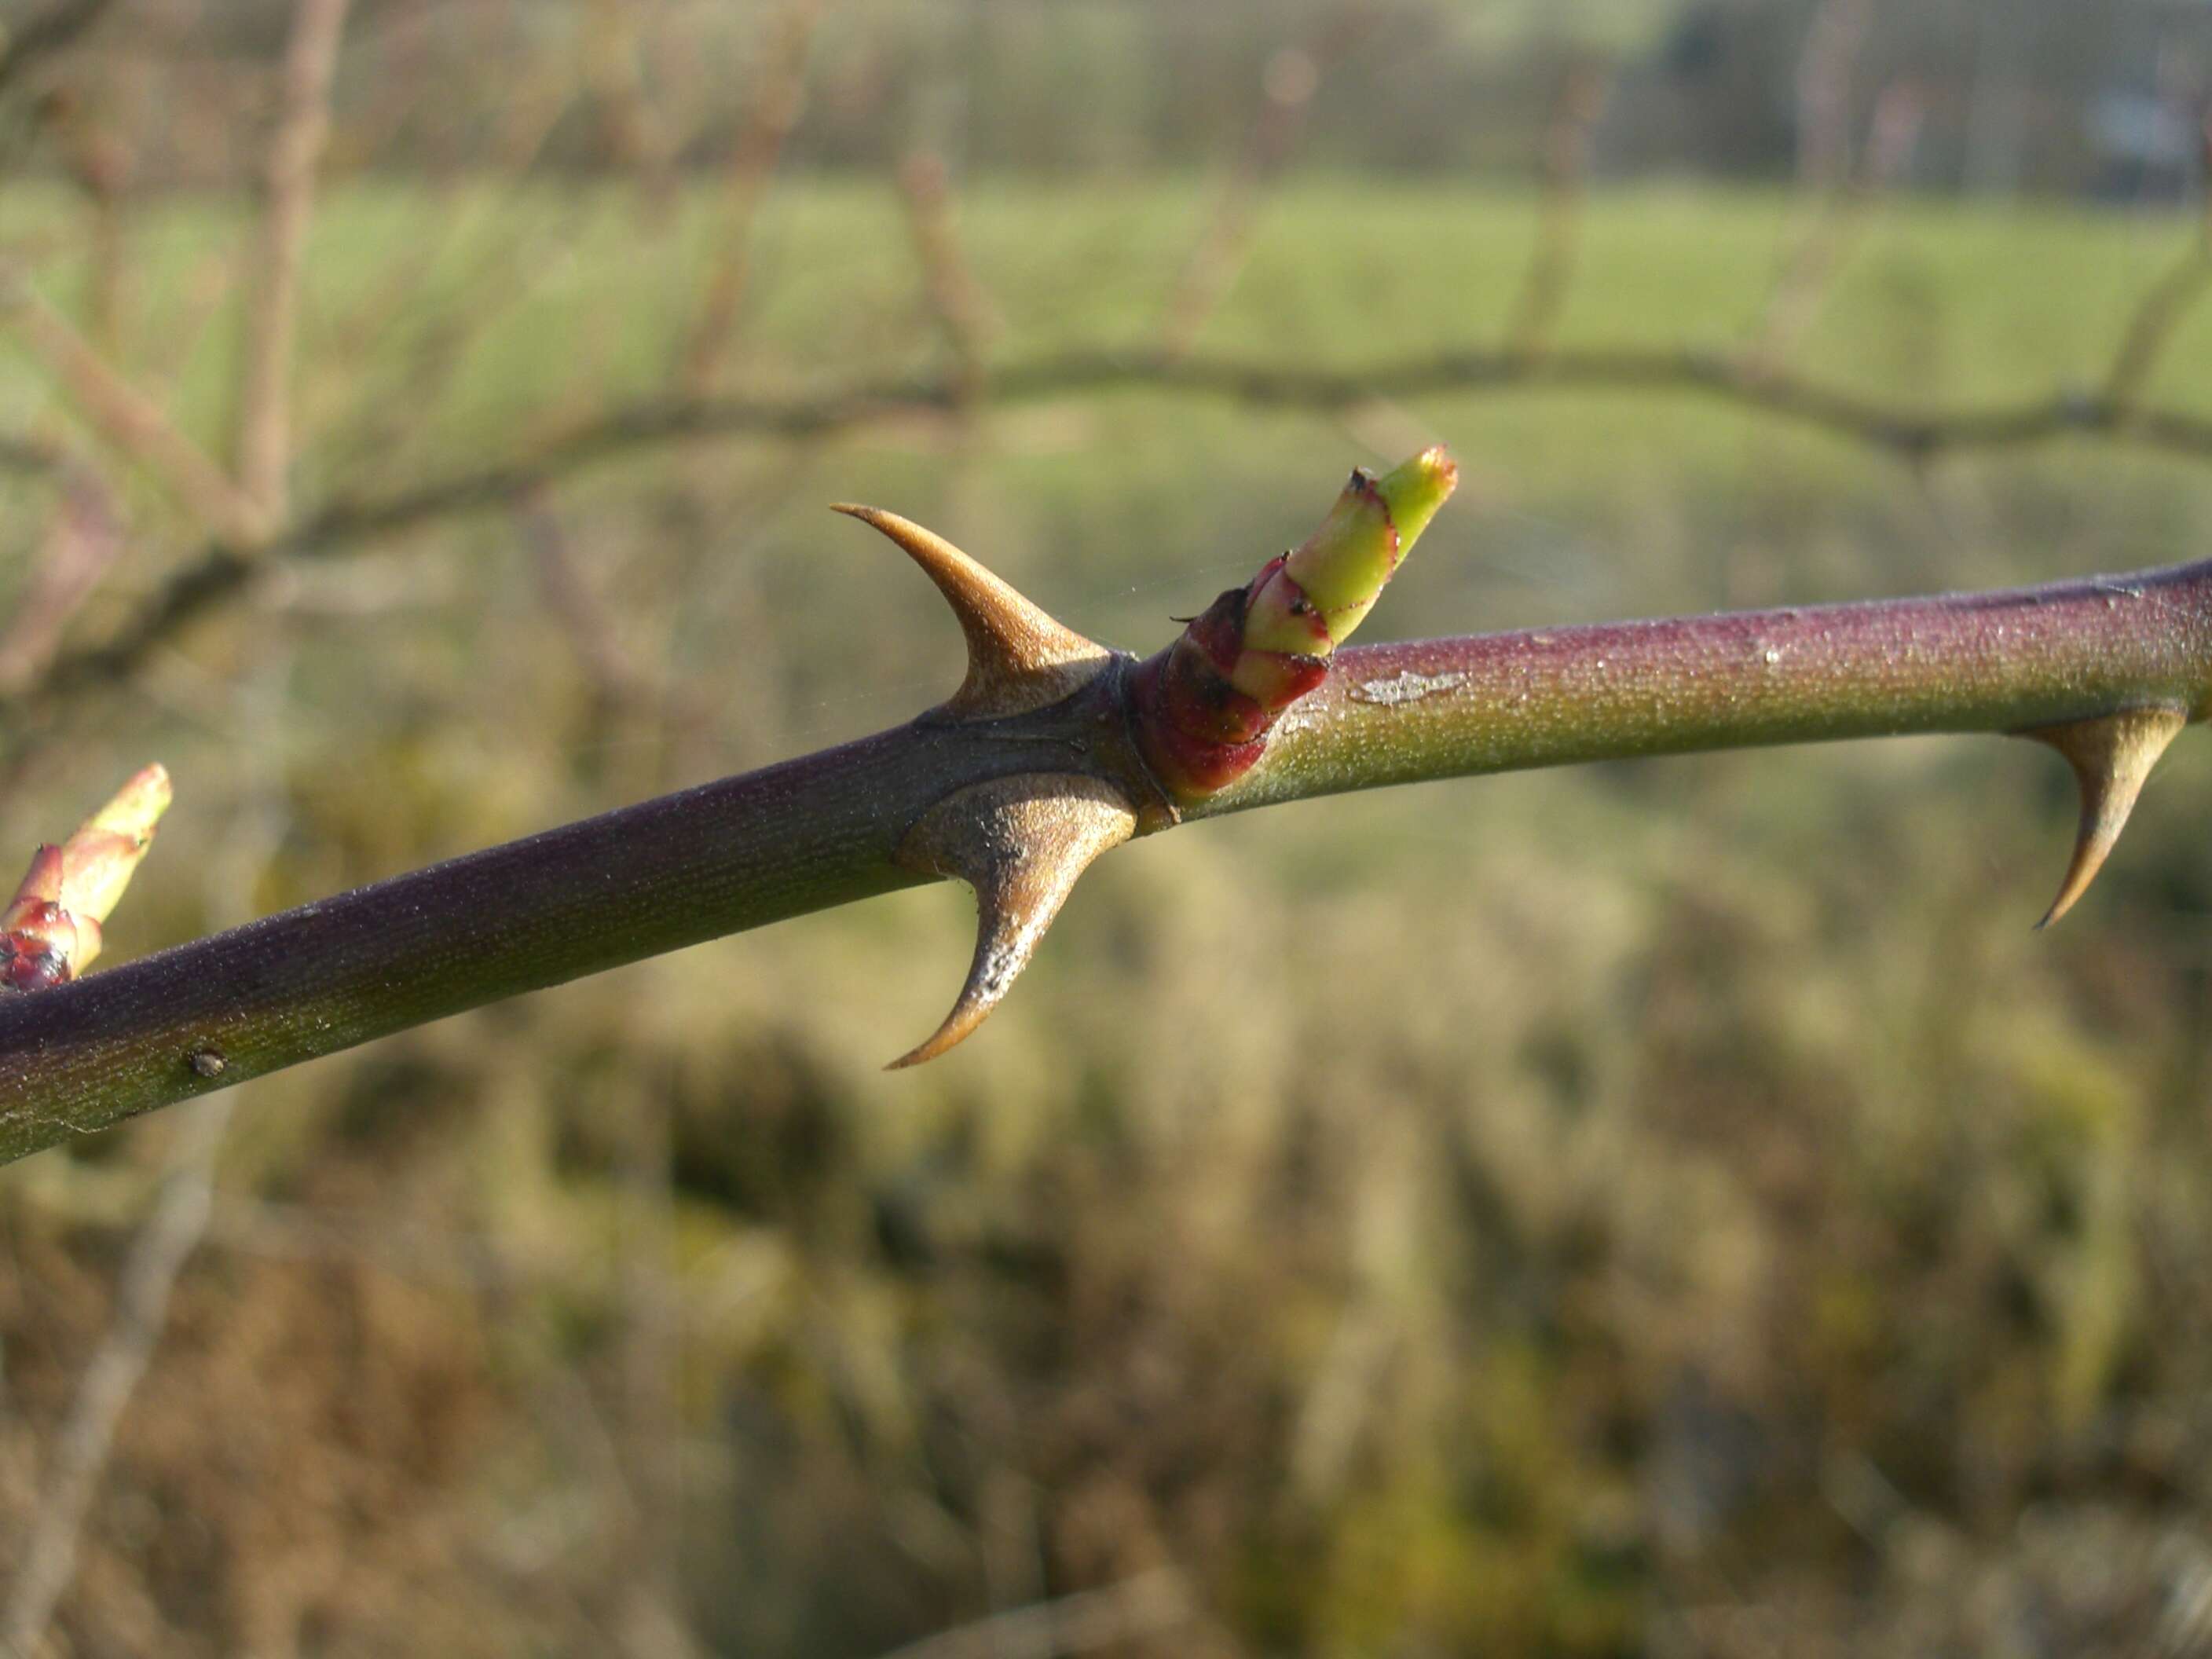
(1312, 601)
(100, 857)
(1414, 489)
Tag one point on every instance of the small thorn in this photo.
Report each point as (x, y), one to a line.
(2112, 755)
(1021, 842)
(1019, 658)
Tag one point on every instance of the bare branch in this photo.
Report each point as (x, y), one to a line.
(295, 148)
(587, 623)
(1806, 274)
(58, 26)
(81, 543)
(636, 138)
(97, 157)
(779, 95)
(837, 826)
(201, 295)
(964, 313)
(28, 457)
(1287, 86)
(1823, 92)
(2169, 300)
(129, 421)
(80, 1447)
(1575, 111)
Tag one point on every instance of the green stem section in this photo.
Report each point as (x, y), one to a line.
(1501, 702)
(824, 829)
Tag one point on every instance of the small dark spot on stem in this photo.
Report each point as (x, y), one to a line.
(207, 1062)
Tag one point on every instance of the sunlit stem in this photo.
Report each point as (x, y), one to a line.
(1499, 702)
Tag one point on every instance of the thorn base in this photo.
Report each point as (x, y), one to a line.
(1021, 842)
(2112, 755)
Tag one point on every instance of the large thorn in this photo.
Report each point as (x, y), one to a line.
(1018, 657)
(2111, 754)
(1020, 842)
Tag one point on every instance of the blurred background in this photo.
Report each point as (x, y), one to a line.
(1670, 1208)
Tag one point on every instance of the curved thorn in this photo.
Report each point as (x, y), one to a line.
(2111, 754)
(1021, 842)
(1019, 657)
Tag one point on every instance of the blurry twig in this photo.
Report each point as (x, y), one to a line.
(778, 95)
(81, 543)
(1802, 284)
(2156, 318)
(1823, 92)
(589, 629)
(1146, 1605)
(957, 301)
(651, 1361)
(1574, 112)
(44, 35)
(247, 511)
(532, 115)
(97, 157)
(201, 294)
(635, 136)
(657, 701)
(28, 455)
(542, 92)
(2168, 301)
(383, 415)
(533, 107)
(1287, 86)
(1906, 433)
(128, 419)
(265, 425)
(158, 1253)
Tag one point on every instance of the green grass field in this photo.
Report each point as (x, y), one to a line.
(1675, 1207)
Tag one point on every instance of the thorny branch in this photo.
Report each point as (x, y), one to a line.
(1057, 749)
